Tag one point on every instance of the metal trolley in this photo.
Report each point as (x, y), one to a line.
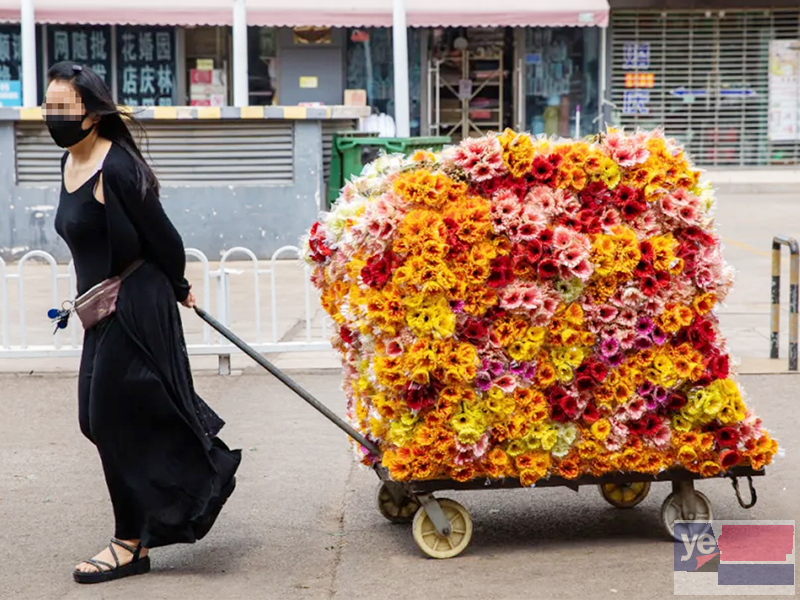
(442, 527)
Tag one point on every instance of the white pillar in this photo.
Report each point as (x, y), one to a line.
(401, 92)
(28, 41)
(241, 71)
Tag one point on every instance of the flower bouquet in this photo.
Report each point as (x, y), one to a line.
(520, 307)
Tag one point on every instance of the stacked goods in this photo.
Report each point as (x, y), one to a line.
(521, 307)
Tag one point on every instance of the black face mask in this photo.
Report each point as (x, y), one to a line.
(67, 131)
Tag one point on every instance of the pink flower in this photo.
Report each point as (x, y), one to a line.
(544, 200)
(627, 339)
(607, 313)
(394, 348)
(583, 270)
(636, 408)
(627, 317)
(511, 297)
(507, 383)
(532, 297)
(611, 218)
(662, 437)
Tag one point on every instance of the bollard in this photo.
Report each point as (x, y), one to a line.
(794, 280)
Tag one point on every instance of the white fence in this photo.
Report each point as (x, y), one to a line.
(231, 276)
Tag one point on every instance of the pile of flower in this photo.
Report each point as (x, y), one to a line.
(522, 307)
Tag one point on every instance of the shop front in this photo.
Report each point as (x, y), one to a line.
(725, 82)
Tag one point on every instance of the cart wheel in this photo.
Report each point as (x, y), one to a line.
(391, 510)
(436, 546)
(625, 495)
(672, 511)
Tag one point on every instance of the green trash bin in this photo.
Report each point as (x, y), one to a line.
(352, 150)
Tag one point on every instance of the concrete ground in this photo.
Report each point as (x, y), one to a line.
(303, 524)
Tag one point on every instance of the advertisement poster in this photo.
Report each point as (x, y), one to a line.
(784, 90)
(208, 88)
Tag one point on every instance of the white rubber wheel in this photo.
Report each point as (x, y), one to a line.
(625, 495)
(396, 513)
(672, 511)
(431, 543)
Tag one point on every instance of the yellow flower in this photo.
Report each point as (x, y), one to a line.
(600, 429)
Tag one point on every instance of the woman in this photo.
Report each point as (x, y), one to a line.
(167, 472)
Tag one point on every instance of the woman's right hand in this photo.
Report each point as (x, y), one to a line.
(189, 302)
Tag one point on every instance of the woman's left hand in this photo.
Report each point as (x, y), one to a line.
(189, 302)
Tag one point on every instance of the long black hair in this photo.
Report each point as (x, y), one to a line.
(111, 124)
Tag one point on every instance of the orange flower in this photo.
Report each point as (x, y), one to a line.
(462, 473)
(568, 468)
(424, 435)
(588, 449)
(601, 429)
(529, 477)
(498, 457)
(424, 468)
(545, 375)
(686, 454)
(704, 302)
(495, 471)
(709, 468)
(400, 471)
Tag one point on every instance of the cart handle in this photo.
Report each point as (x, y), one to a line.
(288, 382)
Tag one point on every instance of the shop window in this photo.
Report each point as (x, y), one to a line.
(370, 67)
(146, 66)
(208, 66)
(262, 64)
(561, 80)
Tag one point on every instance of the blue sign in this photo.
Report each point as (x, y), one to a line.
(10, 93)
(635, 56)
(682, 92)
(533, 59)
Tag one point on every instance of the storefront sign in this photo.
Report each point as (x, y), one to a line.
(634, 102)
(10, 54)
(640, 80)
(208, 88)
(784, 90)
(635, 55)
(205, 64)
(146, 66)
(10, 93)
(85, 45)
(309, 82)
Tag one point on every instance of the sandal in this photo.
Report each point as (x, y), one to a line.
(137, 566)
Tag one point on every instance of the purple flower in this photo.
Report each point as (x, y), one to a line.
(643, 343)
(644, 326)
(650, 402)
(517, 368)
(615, 360)
(661, 395)
(646, 389)
(609, 347)
(530, 372)
(659, 337)
(457, 306)
(496, 368)
(483, 381)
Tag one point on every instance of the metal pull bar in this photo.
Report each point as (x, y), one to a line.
(753, 495)
(327, 412)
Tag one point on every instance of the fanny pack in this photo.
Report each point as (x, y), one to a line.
(100, 301)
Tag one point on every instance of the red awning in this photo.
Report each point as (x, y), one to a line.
(341, 13)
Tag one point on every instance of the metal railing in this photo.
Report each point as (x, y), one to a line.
(67, 343)
(794, 280)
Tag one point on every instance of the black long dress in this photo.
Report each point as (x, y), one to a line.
(167, 472)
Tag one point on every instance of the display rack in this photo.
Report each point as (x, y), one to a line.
(467, 93)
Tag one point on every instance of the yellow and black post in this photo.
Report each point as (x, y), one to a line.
(794, 282)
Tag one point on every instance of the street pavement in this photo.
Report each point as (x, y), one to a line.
(303, 524)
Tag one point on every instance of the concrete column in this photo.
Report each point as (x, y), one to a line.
(241, 71)
(28, 34)
(401, 92)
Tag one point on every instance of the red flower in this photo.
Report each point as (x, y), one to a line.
(379, 269)
(557, 394)
(542, 169)
(585, 382)
(637, 427)
(644, 269)
(633, 208)
(727, 437)
(719, 366)
(474, 330)
(546, 238)
(599, 371)
(646, 248)
(533, 251)
(557, 414)
(502, 272)
(626, 194)
(649, 286)
(729, 458)
(548, 269)
(652, 424)
(570, 406)
(316, 242)
(590, 414)
(346, 335)
(675, 402)
(663, 279)
(418, 398)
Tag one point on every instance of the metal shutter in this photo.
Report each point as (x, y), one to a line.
(182, 153)
(711, 80)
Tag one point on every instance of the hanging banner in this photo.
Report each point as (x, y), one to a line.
(146, 66)
(84, 45)
(784, 90)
